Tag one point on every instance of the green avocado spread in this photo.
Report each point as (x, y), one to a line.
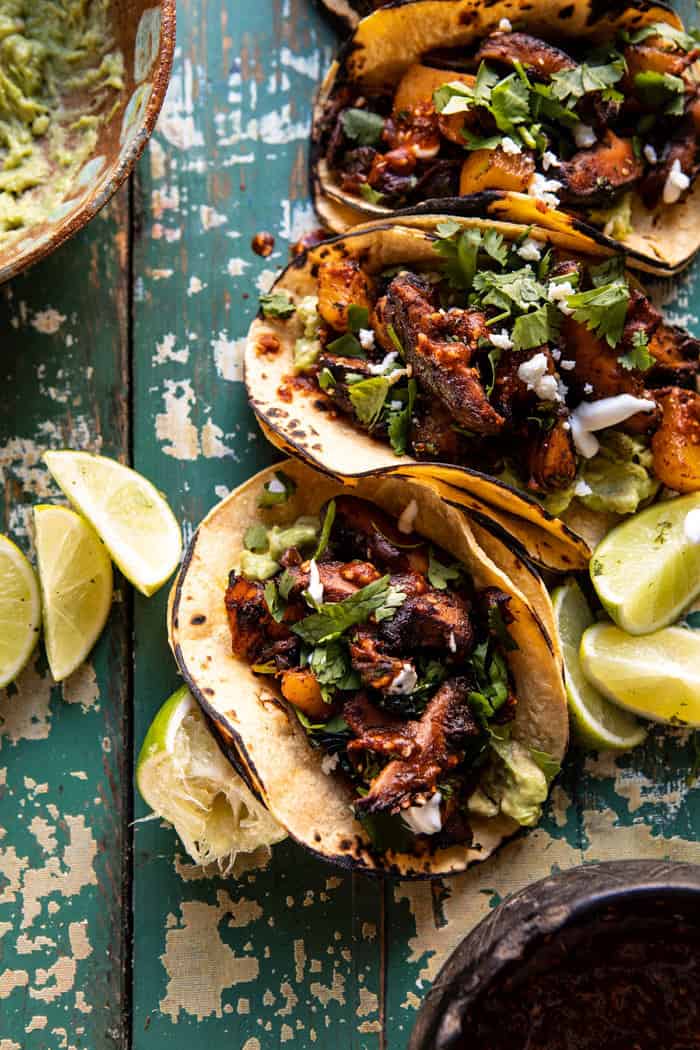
(60, 77)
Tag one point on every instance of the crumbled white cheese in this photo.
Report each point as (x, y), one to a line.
(382, 366)
(276, 486)
(556, 354)
(425, 819)
(544, 190)
(396, 406)
(530, 250)
(408, 517)
(582, 488)
(597, 415)
(588, 388)
(650, 153)
(566, 425)
(404, 682)
(534, 373)
(315, 588)
(452, 642)
(329, 763)
(567, 365)
(676, 182)
(584, 135)
(501, 340)
(505, 26)
(691, 525)
(550, 160)
(509, 145)
(558, 292)
(366, 337)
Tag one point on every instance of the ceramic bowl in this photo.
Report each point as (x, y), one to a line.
(520, 931)
(144, 33)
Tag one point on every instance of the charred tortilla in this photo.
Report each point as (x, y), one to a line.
(272, 749)
(382, 142)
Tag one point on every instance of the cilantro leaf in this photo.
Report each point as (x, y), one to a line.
(603, 310)
(277, 304)
(331, 667)
(439, 575)
(518, 289)
(491, 676)
(285, 583)
(358, 317)
(472, 141)
(448, 228)
(326, 530)
(661, 91)
(363, 127)
(495, 246)
(510, 103)
(346, 345)
(368, 397)
(460, 248)
(535, 328)
(611, 270)
(326, 380)
(334, 618)
(277, 490)
(639, 356)
(396, 342)
(256, 539)
(685, 41)
(399, 423)
(274, 602)
(573, 84)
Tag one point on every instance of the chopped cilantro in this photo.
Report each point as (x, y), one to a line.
(346, 345)
(396, 342)
(573, 84)
(326, 530)
(277, 490)
(639, 356)
(399, 422)
(685, 41)
(363, 127)
(494, 356)
(603, 309)
(326, 379)
(491, 675)
(460, 248)
(277, 304)
(358, 317)
(472, 142)
(510, 103)
(535, 328)
(331, 666)
(499, 629)
(518, 289)
(274, 602)
(285, 583)
(440, 575)
(368, 397)
(611, 270)
(334, 618)
(661, 91)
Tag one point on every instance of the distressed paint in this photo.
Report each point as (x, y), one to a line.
(286, 950)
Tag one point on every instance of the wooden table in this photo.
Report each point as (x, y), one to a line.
(128, 341)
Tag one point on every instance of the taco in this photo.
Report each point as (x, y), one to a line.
(383, 684)
(491, 360)
(572, 115)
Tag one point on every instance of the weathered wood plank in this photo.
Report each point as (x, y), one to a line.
(64, 773)
(291, 949)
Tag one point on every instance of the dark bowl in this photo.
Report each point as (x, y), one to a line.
(549, 920)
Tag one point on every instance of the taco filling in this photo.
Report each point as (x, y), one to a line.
(396, 665)
(582, 128)
(554, 374)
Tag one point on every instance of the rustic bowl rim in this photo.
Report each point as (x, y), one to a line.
(126, 162)
(517, 922)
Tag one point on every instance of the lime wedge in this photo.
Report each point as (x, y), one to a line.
(183, 776)
(656, 676)
(130, 515)
(598, 724)
(75, 576)
(647, 570)
(20, 611)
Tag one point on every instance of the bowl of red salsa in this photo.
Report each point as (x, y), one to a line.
(601, 957)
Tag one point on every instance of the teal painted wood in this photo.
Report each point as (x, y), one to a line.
(64, 772)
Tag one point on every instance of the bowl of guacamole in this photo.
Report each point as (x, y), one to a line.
(81, 85)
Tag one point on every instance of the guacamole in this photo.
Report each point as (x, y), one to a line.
(60, 75)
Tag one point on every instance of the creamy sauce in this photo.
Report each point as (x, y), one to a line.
(60, 74)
